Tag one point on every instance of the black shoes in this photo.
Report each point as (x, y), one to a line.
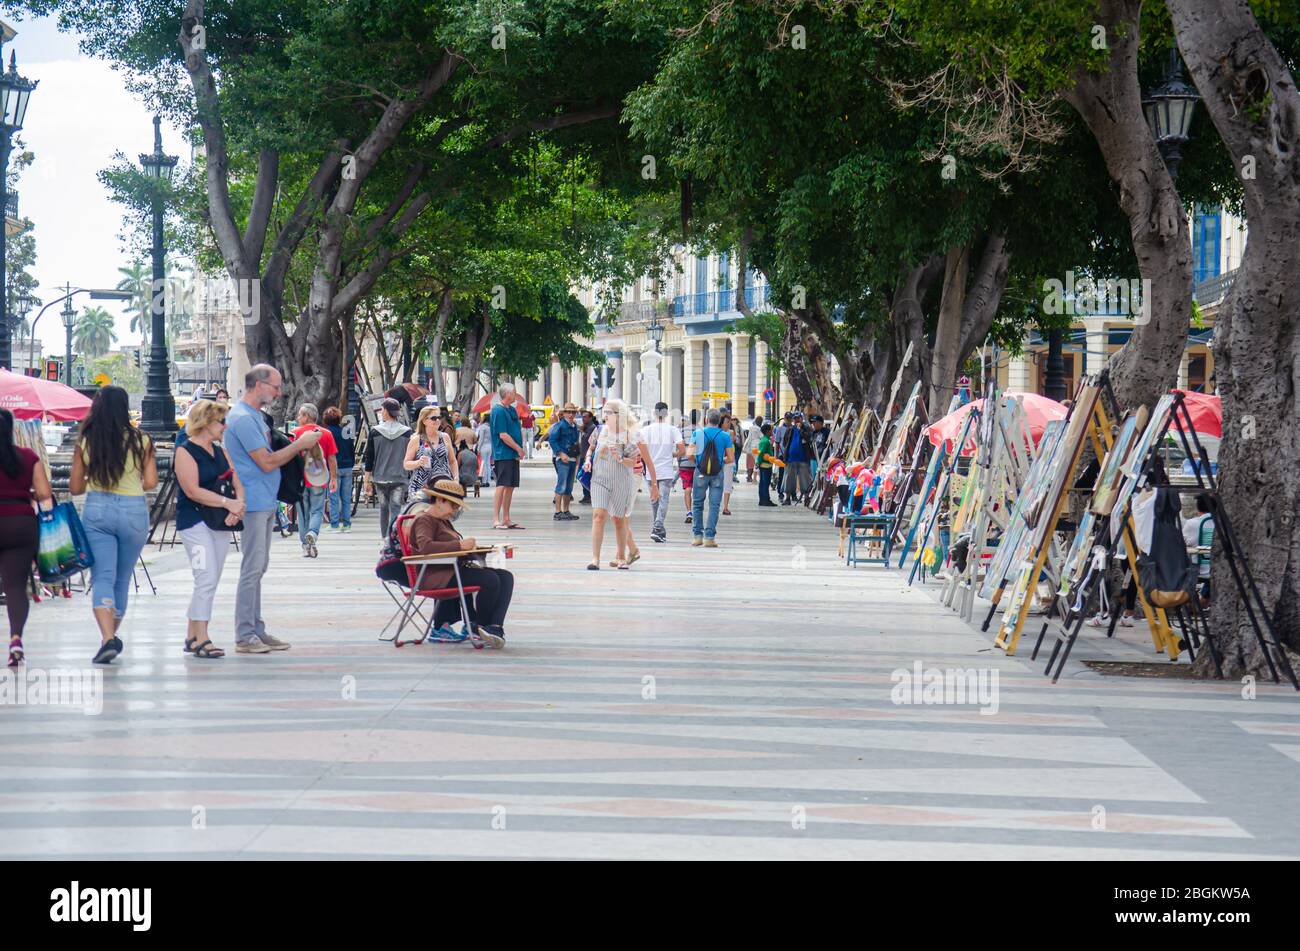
(108, 650)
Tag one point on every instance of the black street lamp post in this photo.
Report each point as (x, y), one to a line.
(1169, 109)
(69, 315)
(158, 407)
(1054, 380)
(15, 92)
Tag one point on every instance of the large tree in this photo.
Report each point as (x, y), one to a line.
(1250, 93)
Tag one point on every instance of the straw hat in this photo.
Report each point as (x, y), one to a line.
(446, 489)
(569, 408)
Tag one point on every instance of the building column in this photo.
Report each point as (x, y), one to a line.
(742, 386)
(1096, 345)
(717, 368)
(1020, 374)
(1182, 370)
(692, 359)
(631, 387)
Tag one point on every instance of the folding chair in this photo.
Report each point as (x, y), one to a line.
(407, 607)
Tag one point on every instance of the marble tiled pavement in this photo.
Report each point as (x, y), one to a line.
(730, 703)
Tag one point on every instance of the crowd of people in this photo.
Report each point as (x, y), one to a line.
(235, 472)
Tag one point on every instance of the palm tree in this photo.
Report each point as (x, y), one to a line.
(94, 333)
(136, 279)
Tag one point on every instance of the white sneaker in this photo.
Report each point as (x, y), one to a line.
(1098, 620)
(1125, 621)
(253, 645)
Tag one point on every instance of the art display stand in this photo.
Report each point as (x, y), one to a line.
(1088, 419)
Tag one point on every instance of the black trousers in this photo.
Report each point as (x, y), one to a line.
(18, 535)
(488, 607)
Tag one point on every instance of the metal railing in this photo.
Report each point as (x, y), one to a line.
(717, 302)
(1214, 290)
(11, 205)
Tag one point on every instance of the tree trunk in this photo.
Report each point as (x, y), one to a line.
(475, 348)
(1251, 97)
(793, 356)
(945, 355)
(435, 343)
(1110, 103)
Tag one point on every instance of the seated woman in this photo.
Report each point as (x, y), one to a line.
(432, 534)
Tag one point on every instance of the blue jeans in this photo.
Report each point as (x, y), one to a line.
(311, 511)
(564, 473)
(765, 485)
(713, 486)
(341, 500)
(116, 528)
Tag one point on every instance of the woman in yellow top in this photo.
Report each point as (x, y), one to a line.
(115, 462)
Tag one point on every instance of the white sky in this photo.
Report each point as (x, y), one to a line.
(79, 115)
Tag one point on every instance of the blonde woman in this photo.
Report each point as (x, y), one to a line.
(612, 459)
(201, 469)
(429, 454)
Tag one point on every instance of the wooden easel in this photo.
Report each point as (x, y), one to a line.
(1096, 426)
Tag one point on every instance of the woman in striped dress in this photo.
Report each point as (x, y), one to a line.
(429, 456)
(612, 460)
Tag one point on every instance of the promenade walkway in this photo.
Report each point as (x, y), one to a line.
(729, 703)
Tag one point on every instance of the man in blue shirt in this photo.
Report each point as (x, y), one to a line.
(712, 450)
(507, 450)
(247, 442)
(796, 452)
(564, 438)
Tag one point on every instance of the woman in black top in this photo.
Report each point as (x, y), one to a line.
(22, 476)
(200, 465)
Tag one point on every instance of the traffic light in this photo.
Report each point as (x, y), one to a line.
(137, 356)
(52, 370)
(609, 376)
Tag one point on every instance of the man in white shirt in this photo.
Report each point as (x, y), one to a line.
(1198, 532)
(664, 440)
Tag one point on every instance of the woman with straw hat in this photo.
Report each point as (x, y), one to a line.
(432, 534)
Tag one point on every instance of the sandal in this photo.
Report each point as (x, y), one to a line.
(636, 556)
(593, 567)
(15, 651)
(620, 565)
(207, 650)
(514, 526)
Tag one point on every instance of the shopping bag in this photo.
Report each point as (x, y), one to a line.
(62, 548)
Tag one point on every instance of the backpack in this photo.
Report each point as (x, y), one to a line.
(390, 566)
(290, 492)
(711, 459)
(1167, 574)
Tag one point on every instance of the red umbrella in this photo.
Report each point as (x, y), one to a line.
(1039, 411)
(1206, 411)
(29, 397)
(485, 403)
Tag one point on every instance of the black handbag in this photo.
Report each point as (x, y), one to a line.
(223, 485)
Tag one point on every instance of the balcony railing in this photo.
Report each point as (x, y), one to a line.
(711, 303)
(1215, 289)
(642, 310)
(11, 205)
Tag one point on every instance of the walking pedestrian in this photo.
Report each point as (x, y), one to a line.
(484, 449)
(765, 456)
(507, 450)
(432, 534)
(113, 463)
(727, 424)
(564, 439)
(247, 442)
(752, 437)
(320, 478)
(385, 452)
(22, 478)
(341, 494)
(778, 442)
(686, 466)
(664, 440)
(795, 452)
(713, 451)
(429, 454)
(587, 428)
(201, 466)
(616, 450)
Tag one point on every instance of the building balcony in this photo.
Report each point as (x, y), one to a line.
(1213, 290)
(715, 305)
(12, 224)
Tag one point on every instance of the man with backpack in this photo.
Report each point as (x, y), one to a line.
(713, 451)
(385, 451)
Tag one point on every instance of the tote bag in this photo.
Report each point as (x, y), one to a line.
(62, 549)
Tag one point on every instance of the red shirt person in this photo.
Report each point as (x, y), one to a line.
(307, 416)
